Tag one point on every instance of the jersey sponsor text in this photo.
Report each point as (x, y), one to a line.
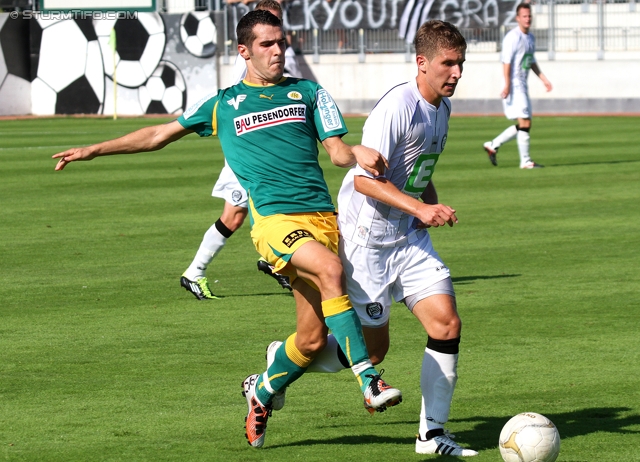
(328, 111)
(281, 115)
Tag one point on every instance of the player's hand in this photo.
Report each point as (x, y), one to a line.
(437, 215)
(505, 92)
(370, 160)
(72, 155)
(547, 85)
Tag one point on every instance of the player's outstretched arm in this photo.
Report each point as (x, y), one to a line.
(384, 191)
(536, 69)
(143, 140)
(344, 155)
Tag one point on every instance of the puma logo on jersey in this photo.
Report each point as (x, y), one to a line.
(235, 102)
(266, 97)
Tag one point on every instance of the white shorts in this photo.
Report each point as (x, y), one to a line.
(517, 105)
(375, 276)
(228, 188)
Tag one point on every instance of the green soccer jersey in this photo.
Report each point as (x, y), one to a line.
(269, 138)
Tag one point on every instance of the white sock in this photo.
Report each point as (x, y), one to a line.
(504, 137)
(327, 360)
(211, 244)
(437, 382)
(523, 147)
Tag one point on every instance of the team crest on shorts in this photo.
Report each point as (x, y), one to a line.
(236, 196)
(375, 310)
(294, 236)
(362, 232)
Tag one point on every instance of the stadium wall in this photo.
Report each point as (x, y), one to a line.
(582, 84)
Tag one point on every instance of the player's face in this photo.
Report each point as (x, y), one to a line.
(440, 75)
(523, 19)
(266, 54)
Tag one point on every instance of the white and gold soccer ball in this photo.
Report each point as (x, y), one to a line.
(529, 437)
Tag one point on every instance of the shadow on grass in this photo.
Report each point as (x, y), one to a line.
(284, 293)
(570, 424)
(594, 163)
(470, 279)
(486, 430)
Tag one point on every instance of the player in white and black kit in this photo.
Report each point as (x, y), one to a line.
(518, 48)
(228, 188)
(386, 250)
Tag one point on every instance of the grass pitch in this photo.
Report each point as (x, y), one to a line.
(104, 357)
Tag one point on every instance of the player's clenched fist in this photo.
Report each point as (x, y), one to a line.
(370, 160)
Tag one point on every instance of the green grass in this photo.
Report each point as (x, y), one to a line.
(103, 357)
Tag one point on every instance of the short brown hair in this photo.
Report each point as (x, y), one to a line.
(435, 35)
(269, 5)
(244, 29)
(521, 6)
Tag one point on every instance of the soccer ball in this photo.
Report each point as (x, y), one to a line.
(198, 33)
(139, 47)
(529, 437)
(69, 73)
(165, 92)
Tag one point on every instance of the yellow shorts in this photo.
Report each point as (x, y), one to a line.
(277, 237)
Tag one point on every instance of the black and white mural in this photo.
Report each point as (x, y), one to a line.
(160, 64)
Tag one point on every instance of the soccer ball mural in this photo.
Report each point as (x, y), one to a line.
(15, 74)
(50, 65)
(69, 73)
(529, 437)
(165, 92)
(139, 47)
(198, 33)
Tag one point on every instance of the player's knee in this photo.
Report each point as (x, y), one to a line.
(330, 271)
(451, 328)
(446, 328)
(233, 220)
(237, 221)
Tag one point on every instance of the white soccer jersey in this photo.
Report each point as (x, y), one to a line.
(410, 133)
(518, 49)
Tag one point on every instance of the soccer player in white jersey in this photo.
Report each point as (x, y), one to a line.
(227, 187)
(386, 250)
(518, 48)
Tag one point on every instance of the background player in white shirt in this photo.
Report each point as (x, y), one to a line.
(386, 250)
(518, 48)
(228, 188)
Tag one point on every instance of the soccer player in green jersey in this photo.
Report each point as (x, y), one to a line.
(268, 126)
